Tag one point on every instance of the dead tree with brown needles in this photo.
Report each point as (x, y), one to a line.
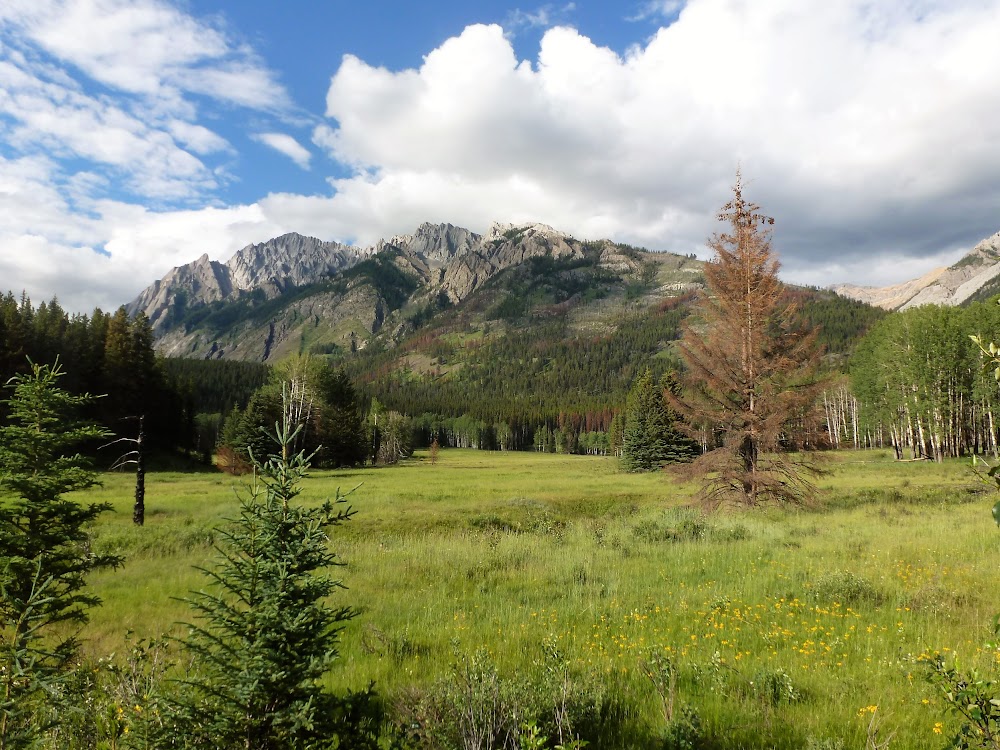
(751, 382)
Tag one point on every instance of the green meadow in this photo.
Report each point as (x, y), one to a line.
(783, 628)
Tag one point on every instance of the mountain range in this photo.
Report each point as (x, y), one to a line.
(295, 294)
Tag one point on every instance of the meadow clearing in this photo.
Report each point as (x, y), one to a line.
(782, 628)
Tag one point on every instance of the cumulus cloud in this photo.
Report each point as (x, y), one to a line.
(55, 240)
(863, 127)
(285, 144)
(151, 60)
(69, 123)
(145, 47)
(868, 129)
(136, 246)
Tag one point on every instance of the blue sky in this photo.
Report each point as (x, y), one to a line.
(137, 135)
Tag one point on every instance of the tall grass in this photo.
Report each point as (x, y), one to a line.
(787, 626)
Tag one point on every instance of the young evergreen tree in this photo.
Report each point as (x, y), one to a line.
(751, 374)
(266, 633)
(45, 554)
(650, 438)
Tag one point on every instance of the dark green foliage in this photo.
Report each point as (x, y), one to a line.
(102, 353)
(392, 437)
(330, 415)
(339, 430)
(546, 281)
(650, 438)
(841, 321)
(986, 293)
(266, 634)
(684, 731)
(392, 283)
(244, 430)
(216, 386)
(542, 376)
(44, 546)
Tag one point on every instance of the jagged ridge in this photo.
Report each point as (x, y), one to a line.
(295, 293)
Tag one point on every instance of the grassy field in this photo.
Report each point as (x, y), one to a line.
(786, 628)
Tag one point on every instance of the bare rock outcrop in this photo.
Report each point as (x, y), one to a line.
(943, 286)
(407, 272)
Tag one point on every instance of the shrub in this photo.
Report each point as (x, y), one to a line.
(846, 588)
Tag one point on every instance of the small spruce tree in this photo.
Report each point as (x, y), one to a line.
(266, 634)
(650, 438)
(45, 553)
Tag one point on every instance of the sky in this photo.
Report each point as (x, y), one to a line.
(138, 135)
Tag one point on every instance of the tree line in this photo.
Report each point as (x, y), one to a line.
(100, 353)
(918, 384)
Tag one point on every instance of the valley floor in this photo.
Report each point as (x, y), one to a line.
(784, 628)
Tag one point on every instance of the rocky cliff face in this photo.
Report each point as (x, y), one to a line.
(201, 282)
(943, 286)
(295, 293)
(273, 267)
(290, 260)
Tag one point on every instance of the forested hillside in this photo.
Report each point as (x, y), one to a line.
(550, 366)
(105, 354)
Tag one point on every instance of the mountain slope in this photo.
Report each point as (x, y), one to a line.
(525, 326)
(296, 294)
(270, 267)
(965, 281)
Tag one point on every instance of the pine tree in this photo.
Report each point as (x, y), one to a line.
(650, 438)
(266, 633)
(45, 554)
(751, 375)
(323, 401)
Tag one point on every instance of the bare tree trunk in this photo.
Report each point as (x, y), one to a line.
(139, 509)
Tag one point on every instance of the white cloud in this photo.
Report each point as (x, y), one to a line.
(68, 123)
(868, 129)
(861, 126)
(199, 139)
(285, 144)
(139, 126)
(145, 47)
(654, 9)
(542, 17)
(138, 246)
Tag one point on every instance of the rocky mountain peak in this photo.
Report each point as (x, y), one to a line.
(440, 243)
(191, 313)
(943, 286)
(289, 260)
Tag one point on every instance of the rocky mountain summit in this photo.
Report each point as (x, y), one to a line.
(975, 276)
(295, 293)
(273, 267)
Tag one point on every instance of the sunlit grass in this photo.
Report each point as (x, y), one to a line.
(505, 551)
